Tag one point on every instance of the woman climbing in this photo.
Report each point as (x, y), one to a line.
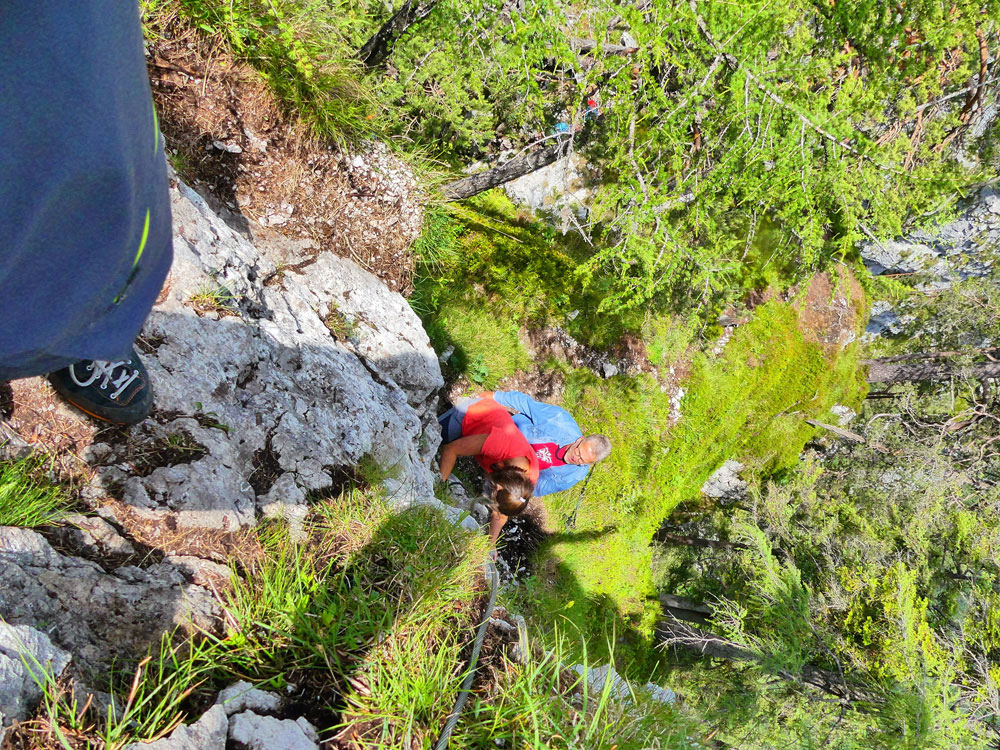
(482, 428)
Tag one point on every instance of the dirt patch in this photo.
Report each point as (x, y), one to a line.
(163, 534)
(262, 171)
(546, 383)
(541, 384)
(36, 413)
(628, 356)
(829, 309)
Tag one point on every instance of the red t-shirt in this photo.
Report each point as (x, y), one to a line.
(549, 455)
(504, 440)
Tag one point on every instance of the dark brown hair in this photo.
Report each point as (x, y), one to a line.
(515, 490)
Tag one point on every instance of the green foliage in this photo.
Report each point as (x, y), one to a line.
(151, 700)
(892, 544)
(475, 71)
(739, 146)
(540, 704)
(749, 403)
(303, 50)
(484, 271)
(793, 131)
(27, 498)
(487, 347)
(213, 298)
(372, 611)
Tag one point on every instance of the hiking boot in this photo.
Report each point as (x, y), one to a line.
(117, 392)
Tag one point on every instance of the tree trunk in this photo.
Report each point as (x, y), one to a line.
(665, 537)
(509, 170)
(839, 431)
(379, 46)
(685, 609)
(884, 371)
(704, 642)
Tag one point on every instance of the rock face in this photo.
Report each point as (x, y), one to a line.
(26, 655)
(253, 732)
(725, 482)
(605, 674)
(957, 250)
(93, 614)
(235, 721)
(242, 696)
(208, 733)
(967, 247)
(272, 381)
(560, 190)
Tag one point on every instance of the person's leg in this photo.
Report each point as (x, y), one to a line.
(85, 238)
(451, 420)
(451, 425)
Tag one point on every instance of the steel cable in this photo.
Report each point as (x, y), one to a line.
(463, 694)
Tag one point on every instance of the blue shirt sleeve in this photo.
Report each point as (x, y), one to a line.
(519, 402)
(559, 478)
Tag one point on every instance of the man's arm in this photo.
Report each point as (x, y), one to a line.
(518, 403)
(559, 478)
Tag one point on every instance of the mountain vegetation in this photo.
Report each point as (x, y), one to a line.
(734, 152)
(737, 155)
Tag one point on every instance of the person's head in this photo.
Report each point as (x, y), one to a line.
(511, 490)
(588, 450)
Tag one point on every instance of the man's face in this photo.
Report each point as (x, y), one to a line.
(579, 453)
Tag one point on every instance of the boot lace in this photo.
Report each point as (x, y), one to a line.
(106, 370)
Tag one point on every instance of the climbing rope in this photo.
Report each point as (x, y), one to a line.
(490, 571)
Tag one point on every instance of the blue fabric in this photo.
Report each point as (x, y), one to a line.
(451, 420)
(81, 168)
(546, 423)
(451, 425)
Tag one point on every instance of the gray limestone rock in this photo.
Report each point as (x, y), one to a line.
(480, 512)
(26, 656)
(95, 615)
(844, 414)
(252, 732)
(884, 319)
(12, 446)
(598, 676)
(964, 248)
(211, 575)
(561, 189)
(946, 253)
(895, 256)
(207, 733)
(94, 537)
(991, 199)
(303, 372)
(725, 483)
(242, 696)
(262, 397)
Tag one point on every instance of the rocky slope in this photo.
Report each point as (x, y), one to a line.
(275, 376)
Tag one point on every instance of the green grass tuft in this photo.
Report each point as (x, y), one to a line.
(27, 498)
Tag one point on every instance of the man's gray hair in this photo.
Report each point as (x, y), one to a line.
(600, 445)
